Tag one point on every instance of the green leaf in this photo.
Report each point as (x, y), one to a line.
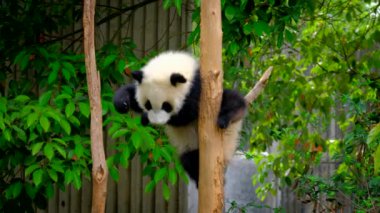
(60, 150)
(37, 176)
(373, 135)
(70, 109)
(165, 154)
(36, 147)
(3, 105)
(230, 12)
(121, 66)
(7, 134)
(22, 98)
(53, 175)
(31, 190)
(20, 133)
(234, 48)
(2, 124)
(68, 66)
(31, 169)
(57, 166)
(108, 60)
(150, 186)
(167, 3)
(376, 157)
(84, 108)
(165, 191)
(31, 119)
(177, 4)
(124, 158)
(54, 115)
(114, 173)
(49, 190)
(65, 126)
(48, 151)
(119, 133)
(77, 181)
(243, 3)
(53, 75)
(22, 59)
(172, 176)
(136, 139)
(45, 123)
(66, 74)
(248, 28)
(45, 98)
(261, 27)
(159, 174)
(69, 176)
(17, 189)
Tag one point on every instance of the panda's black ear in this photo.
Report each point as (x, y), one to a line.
(177, 78)
(137, 75)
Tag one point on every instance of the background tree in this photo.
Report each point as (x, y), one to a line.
(99, 166)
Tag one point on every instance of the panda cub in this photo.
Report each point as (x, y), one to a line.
(167, 92)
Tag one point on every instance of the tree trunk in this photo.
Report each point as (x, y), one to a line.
(99, 166)
(211, 159)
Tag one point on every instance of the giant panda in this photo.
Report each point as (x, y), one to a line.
(166, 92)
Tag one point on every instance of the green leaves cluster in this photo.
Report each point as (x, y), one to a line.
(326, 73)
(159, 158)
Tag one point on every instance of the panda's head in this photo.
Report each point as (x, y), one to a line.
(163, 84)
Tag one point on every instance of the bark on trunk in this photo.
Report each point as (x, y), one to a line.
(211, 159)
(99, 166)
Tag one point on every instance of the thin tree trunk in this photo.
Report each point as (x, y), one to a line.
(211, 159)
(99, 166)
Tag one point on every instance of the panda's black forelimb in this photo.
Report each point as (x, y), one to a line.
(190, 162)
(233, 108)
(144, 119)
(124, 99)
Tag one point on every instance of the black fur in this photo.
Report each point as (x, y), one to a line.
(190, 109)
(190, 162)
(124, 99)
(233, 108)
(137, 75)
(144, 119)
(177, 78)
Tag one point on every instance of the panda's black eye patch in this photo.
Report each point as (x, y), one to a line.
(167, 107)
(148, 105)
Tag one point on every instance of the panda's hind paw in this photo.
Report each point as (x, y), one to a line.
(223, 122)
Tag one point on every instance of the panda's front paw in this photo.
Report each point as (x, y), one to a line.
(121, 100)
(223, 122)
(144, 119)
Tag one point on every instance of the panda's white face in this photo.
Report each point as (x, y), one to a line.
(156, 101)
(163, 85)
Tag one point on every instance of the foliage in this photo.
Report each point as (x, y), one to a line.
(45, 112)
(326, 60)
(42, 140)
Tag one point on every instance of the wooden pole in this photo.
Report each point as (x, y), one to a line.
(211, 159)
(99, 166)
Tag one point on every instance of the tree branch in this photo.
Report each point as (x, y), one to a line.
(107, 18)
(260, 85)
